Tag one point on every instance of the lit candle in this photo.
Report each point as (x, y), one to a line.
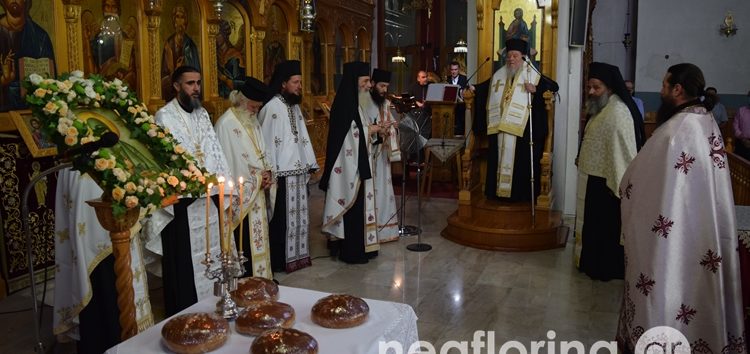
(222, 239)
(230, 233)
(208, 213)
(241, 214)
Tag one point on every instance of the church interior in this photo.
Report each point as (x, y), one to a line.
(506, 269)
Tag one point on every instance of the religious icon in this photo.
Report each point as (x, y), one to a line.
(179, 48)
(109, 44)
(230, 50)
(30, 128)
(25, 48)
(318, 81)
(519, 28)
(276, 41)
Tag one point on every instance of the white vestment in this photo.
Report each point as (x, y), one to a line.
(680, 237)
(288, 145)
(240, 137)
(382, 156)
(193, 130)
(607, 148)
(290, 152)
(508, 109)
(344, 184)
(80, 244)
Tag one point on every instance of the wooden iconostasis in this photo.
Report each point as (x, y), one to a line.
(141, 42)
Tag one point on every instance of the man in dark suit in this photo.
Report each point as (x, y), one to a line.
(456, 78)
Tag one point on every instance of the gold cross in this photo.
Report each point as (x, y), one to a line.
(497, 85)
(199, 155)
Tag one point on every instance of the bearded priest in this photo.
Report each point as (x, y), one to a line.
(240, 136)
(290, 153)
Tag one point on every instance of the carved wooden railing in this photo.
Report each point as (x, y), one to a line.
(739, 170)
(471, 169)
(545, 198)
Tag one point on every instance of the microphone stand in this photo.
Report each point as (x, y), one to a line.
(541, 76)
(419, 246)
(531, 143)
(477, 70)
(38, 345)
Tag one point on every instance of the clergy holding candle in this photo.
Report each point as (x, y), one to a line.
(239, 134)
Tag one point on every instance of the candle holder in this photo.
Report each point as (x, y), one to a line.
(225, 280)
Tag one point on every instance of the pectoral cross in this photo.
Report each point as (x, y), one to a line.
(497, 84)
(199, 155)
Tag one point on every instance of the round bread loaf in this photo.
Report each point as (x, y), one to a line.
(255, 289)
(340, 311)
(284, 341)
(262, 316)
(195, 333)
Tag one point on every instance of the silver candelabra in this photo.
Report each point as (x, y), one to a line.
(225, 280)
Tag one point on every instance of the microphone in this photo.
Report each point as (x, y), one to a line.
(554, 86)
(107, 139)
(477, 70)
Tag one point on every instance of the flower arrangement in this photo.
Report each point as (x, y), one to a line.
(128, 181)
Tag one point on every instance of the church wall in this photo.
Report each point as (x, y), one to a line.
(688, 31)
(567, 113)
(609, 26)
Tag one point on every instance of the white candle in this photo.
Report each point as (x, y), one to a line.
(208, 213)
(241, 214)
(222, 239)
(230, 233)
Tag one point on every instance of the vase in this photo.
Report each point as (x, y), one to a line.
(119, 232)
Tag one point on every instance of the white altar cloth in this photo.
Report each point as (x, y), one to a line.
(388, 321)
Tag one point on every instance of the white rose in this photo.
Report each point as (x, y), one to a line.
(90, 92)
(122, 94)
(77, 73)
(63, 129)
(120, 174)
(117, 82)
(35, 79)
(72, 95)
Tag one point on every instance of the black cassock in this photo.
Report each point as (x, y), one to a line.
(521, 189)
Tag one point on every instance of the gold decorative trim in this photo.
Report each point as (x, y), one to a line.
(257, 52)
(73, 31)
(212, 77)
(154, 21)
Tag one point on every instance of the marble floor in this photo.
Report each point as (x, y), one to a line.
(454, 290)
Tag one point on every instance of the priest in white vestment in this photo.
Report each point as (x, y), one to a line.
(177, 233)
(385, 151)
(349, 216)
(509, 159)
(290, 153)
(613, 134)
(238, 131)
(85, 297)
(679, 230)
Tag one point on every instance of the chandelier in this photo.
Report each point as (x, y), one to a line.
(110, 26)
(416, 5)
(461, 47)
(307, 15)
(398, 58)
(218, 7)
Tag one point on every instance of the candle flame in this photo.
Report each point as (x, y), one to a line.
(221, 179)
